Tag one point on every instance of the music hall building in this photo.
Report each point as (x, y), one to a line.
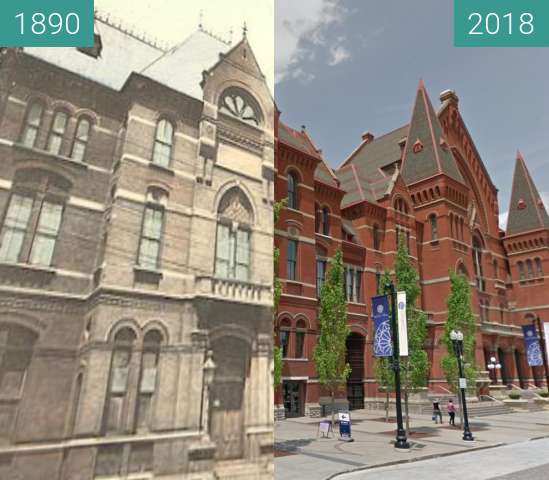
(426, 181)
(136, 233)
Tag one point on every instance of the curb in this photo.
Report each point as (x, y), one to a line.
(418, 459)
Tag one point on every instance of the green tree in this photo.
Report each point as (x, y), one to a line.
(460, 317)
(414, 367)
(277, 292)
(331, 349)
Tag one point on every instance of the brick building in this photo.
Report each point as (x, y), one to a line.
(136, 191)
(425, 179)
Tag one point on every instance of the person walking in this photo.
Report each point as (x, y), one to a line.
(437, 414)
(452, 412)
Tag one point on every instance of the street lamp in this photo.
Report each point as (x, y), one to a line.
(494, 366)
(457, 340)
(401, 440)
(207, 379)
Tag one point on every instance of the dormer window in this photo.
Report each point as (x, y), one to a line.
(238, 104)
(95, 51)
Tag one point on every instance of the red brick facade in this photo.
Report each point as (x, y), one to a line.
(427, 180)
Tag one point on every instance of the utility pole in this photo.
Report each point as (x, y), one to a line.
(401, 440)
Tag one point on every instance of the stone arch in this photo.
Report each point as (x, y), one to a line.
(242, 195)
(121, 324)
(159, 326)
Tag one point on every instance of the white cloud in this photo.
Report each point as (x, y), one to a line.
(299, 26)
(503, 220)
(338, 54)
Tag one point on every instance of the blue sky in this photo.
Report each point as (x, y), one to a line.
(343, 67)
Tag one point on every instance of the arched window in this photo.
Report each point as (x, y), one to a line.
(539, 267)
(376, 237)
(284, 336)
(318, 218)
(151, 236)
(434, 227)
(300, 331)
(291, 268)
(293, 198)
(522, 274)
(477, 262)
(57, 132)
(321, 265)
(148, 381)
(239, 104)
(117, 395)
(163, 142)
(80, 142)
(530, 268)
(325, 221)
(33, 121)
(233, 242)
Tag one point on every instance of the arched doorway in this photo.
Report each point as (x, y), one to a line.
(505, 380)
(520, 371)
(355, 358)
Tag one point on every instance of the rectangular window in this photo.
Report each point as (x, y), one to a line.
(284, 336)
(232, 258)
(349, 284)
(151, 236)
(242, 255)
(358, 285)
(292, 260)
(14, 228)
(320, 275)
(299, 344)
(57, 132)
(32, 125)
(45, 237)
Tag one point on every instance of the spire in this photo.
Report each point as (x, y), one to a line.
(426, 153)
(244, 30)
(526, 211)
(201, 20)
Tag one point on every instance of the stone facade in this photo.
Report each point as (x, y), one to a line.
(427, 181)
(134, 343)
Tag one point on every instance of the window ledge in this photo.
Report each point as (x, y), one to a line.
(30, 267)
(291, 359)
(293, 282)
(162, 168)
(54, 156)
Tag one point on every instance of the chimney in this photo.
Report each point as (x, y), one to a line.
(449, 95)
(367, 137)
(402, 143)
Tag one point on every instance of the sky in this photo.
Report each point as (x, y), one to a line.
(344, 67)
(171, 21)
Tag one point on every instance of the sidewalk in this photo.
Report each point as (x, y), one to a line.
(300, 454)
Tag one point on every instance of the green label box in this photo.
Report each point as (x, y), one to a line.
(46, 23)
(501, 23)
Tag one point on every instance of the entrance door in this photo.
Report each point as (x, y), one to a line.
(520, 371)
(232, 357)
(355, 358)
(293, 398)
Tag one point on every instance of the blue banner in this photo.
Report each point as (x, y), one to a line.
(383, 341)
(532, 345)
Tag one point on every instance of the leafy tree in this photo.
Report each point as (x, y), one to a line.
(331, 349)
(415, 367)
(460, 317)
(277, 292)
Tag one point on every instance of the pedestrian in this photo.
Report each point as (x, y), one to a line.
(452, 412)
(437, 414)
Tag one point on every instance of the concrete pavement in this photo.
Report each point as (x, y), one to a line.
(302, 455)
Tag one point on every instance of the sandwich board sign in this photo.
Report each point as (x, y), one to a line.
(344, 426)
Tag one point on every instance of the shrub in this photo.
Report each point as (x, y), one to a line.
(514, 395)
(544, 394)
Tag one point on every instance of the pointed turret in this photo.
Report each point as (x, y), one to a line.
(526, 211)
(426, 153)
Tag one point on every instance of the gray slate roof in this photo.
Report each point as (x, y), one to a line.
(433, 159)
(526, 211)
(179, 68)
(363, 176)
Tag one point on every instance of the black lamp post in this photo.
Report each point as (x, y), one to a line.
(401, 440)
(457, 341)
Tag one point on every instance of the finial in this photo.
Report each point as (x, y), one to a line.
(231, 36)
(244, 29)
(200, 19)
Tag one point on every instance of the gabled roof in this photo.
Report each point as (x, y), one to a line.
(181, 67)
(368, 172)
(433, 157)
(122, 54)
(526, 211)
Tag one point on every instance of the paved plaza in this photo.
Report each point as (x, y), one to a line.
(513, 443)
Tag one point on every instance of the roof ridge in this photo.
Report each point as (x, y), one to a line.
(533, 190)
